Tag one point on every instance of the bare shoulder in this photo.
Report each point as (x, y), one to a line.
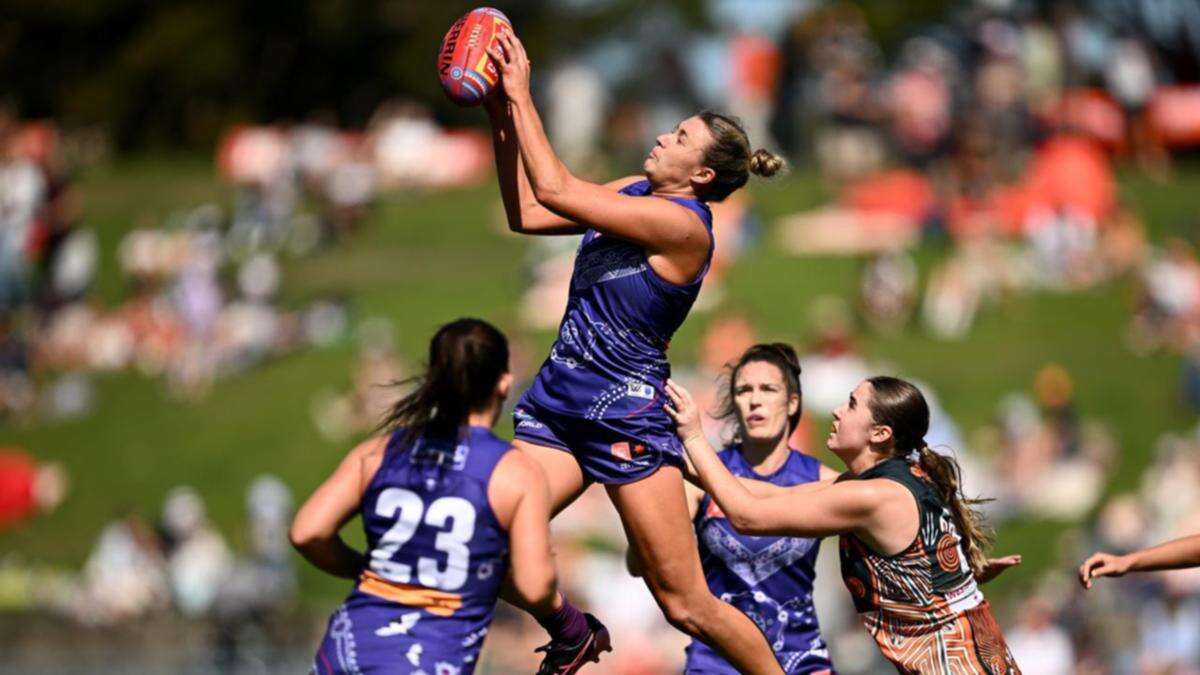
(369, 455)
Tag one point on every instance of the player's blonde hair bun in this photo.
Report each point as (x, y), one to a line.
(766, 163)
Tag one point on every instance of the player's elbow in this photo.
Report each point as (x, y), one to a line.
(304, 536)
(745, 521)
(549, 193)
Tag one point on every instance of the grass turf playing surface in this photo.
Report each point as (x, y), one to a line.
(421, 260)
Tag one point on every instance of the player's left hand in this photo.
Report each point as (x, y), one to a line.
(1102, 565)
(683, 410)
(513, 63)
(995, 566)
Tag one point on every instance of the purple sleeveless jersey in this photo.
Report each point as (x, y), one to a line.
(770, 579)
(609, 360)
(599, 394)
(437, 556)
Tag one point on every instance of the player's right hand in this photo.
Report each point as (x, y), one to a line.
(1102, 565)
(683, 410)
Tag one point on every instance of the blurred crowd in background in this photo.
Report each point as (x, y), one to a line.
(989, 136)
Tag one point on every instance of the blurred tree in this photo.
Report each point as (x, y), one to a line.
(176, 72)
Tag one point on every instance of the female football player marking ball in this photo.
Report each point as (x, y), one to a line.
(594, 412)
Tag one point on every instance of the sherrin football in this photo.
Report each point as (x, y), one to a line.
(466, 72)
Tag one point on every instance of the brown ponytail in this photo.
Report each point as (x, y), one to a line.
(977, 538)
(898, 404)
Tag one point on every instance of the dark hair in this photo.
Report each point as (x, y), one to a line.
(730, 157)
(467, 358)
(778, 354)
(900, 405)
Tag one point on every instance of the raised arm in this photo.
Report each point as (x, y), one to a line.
(824, 510)
(658, 225)
(315, 529)
(1175, 554)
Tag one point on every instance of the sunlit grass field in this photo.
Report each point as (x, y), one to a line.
(423, 259)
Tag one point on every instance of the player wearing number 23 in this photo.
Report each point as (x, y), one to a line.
(446, 506)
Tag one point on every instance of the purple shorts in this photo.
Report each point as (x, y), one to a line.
(610, 451)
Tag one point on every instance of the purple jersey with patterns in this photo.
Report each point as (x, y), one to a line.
(770, 579)
(436, 559)
(609, 360)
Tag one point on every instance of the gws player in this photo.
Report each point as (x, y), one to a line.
(769, 578)
(447, 508)
(912, 548)
(594, 412)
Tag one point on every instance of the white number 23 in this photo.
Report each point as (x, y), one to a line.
(407, 508)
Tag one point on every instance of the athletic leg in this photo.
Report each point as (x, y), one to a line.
(562, 471)
(654, 513)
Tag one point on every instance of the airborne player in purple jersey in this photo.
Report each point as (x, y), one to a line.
(595, 411)
(448, 510)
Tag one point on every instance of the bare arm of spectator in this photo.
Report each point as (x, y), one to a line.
(1175, 554)
(315, 529)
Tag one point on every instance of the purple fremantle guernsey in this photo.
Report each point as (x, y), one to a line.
(770, 579)
(437, 556)
(609, 360)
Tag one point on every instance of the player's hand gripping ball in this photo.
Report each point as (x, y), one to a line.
(466, 72)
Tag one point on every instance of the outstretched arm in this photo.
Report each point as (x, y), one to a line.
(315, 529)
(658, 225)
(1175, 554)
(820, 511)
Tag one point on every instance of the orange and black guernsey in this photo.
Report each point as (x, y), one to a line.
(922, 605)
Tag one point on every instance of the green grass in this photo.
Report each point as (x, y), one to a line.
(421, 260)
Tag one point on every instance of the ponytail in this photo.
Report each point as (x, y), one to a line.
(899, 405)
(467, 357)
(944, 473)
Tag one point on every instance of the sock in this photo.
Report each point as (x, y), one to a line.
(567, 624)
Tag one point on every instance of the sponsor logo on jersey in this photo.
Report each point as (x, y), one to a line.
(627, 451)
